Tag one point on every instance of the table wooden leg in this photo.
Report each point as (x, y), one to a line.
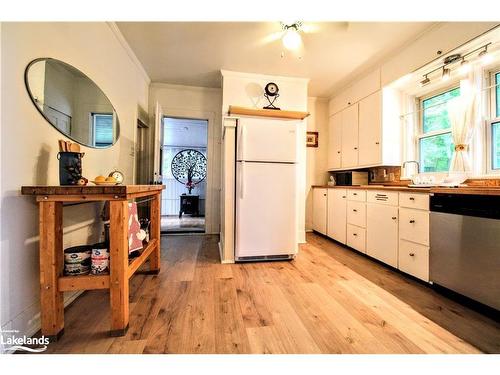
(119, 287)
(155, 214)
(51, 267)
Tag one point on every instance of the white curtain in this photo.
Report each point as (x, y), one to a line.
(463, 112)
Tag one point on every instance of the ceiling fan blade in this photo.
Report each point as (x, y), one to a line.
(270, 38)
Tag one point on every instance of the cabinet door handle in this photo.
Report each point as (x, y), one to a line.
(354, 234)
(355, 148)
(324, 195)
(354, 210)
(354, 193)
(338, 152)
(394, 218)
(412, 221)
(412, 199)
(343, 196)
(412, 254)
(377, 143)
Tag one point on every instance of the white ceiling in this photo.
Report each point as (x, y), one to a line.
(192, 53)
(185, 132)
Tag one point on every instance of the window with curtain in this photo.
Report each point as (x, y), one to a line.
(495, 124)
(102, 128)
(435, 145)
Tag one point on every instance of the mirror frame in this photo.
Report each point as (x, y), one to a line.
(30, 94)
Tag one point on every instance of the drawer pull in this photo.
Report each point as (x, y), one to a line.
(354, 210)
(412, 221)
(324, 195)
(377, 143)
(343, 196)
(412, 198)
(338, 152)
(354, 234)
(394, 218)
(354, 193)
(412, 254)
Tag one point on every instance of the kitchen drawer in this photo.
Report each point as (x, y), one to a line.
(414, 200)
(356, 237)
(382, 197)
(414, 225)
(414, 259)
(356, 195)
(356, 213)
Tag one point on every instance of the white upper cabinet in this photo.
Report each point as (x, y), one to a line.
(357, 91)
(370, 129)
(371, 132)
(350, 137)
(335, 141)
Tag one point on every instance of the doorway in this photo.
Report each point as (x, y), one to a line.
(183, 157)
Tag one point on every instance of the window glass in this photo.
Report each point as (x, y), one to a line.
(435, 112)
(497, 94)
(103, 129)
(435, 153)
(495, 145)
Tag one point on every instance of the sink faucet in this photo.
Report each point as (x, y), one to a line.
(412, 162)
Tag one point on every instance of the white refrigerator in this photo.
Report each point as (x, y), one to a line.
(266, 193)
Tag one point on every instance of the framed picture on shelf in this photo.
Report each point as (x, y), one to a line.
(312, 139)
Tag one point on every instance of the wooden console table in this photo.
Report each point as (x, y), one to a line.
(52, 281)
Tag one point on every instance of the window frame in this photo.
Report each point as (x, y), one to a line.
(92, 127)
(420, 128)
(493, 119)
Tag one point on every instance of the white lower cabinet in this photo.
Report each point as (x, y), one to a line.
(337, 214)
(319, 216)
(414, 259)
(382, 232)
(389, 226)
(356, 237)
(414, 225)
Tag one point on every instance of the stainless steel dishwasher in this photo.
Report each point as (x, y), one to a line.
(465, 245)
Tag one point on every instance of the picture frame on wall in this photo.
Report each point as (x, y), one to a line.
(312, 139)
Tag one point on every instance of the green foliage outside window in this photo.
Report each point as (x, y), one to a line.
(436, 150)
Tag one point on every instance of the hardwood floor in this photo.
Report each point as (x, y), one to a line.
(329, 300)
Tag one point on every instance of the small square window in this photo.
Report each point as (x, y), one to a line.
(103, 129)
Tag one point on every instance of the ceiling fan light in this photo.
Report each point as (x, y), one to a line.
(291, 38)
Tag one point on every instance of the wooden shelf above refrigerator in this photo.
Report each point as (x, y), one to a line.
(275, 113)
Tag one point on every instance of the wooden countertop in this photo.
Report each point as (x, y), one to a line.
(91, 193)
(377, 187)
(478, 190)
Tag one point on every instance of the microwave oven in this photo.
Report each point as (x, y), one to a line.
(351, 178)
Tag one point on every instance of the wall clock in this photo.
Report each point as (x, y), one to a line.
(271, 94)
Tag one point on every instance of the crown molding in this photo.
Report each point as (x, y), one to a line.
(118, 34)
(230, 73)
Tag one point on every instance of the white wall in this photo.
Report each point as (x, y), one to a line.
(246, 90)
(29, 148)
(202, 103)
(316, 170)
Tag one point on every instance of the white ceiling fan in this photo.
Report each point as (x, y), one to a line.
(291, 34)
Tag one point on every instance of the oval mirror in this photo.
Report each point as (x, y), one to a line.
(72, 103)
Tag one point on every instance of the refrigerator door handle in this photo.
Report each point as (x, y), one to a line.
(242, 180)
(242, 144)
